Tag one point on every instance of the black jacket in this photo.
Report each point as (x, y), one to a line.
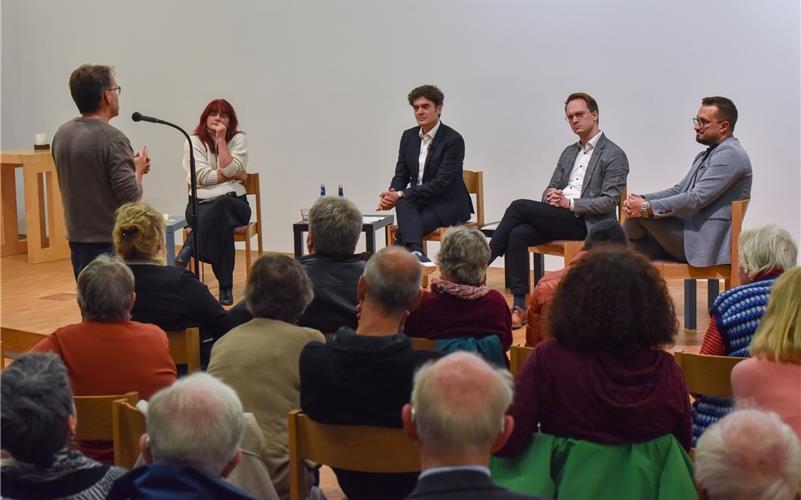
(462, 485)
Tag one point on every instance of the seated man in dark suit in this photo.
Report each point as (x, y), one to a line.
(457, 418)
(584, 189)
(334, 228)
(691, 221)
(364, 377)
(427, 190)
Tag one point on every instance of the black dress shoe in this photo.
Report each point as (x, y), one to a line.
(226, 297)
(182, 259)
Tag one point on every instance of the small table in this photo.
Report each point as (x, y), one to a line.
(370, 224)
(174, 223)
(46, 238)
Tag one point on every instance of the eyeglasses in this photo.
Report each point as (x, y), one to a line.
(117, 89)
(579, 115)
(702, 123)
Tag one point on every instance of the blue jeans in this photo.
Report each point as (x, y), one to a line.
(84, 253)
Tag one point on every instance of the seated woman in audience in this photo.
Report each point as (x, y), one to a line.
(259, 359)
(765, 252)
(221, 156)
(771, 378)
(604, 377)
(460, 304)
(37, 424)
(107, 353)
(166, 296)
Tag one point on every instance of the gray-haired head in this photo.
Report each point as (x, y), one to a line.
(463, 255)
(335, 225)
(749, 455)
(605, 232)
(392, 279)
(198, 421)
(459, 404)
(278, 288)
(105, 290)
(767, 247)
(36, 404)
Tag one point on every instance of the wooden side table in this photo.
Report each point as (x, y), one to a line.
(46, 238)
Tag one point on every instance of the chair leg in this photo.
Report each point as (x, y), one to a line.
(247, 258)
(690, 322)
(713, 290)
(539, 268)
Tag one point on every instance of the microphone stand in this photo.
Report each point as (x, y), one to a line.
(192, 221)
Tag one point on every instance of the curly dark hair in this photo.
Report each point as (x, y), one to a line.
(615, 301)
(430, 92)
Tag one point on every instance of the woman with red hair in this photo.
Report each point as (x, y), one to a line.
(221, 155)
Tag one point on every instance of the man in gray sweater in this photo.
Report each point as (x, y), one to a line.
(97, 168)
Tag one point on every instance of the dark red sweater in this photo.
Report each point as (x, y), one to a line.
(444, 316)
(598, 397)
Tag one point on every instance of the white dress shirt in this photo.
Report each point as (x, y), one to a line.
(576, 180)
(425, 145)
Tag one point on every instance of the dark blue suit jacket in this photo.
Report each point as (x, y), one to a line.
(442, 187)
(463, 485)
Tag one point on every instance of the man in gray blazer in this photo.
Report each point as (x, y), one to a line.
(691, 222)
(584, 189)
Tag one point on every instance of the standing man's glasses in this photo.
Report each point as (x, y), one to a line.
(701, 123)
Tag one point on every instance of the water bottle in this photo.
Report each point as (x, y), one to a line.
(341, 191)
(322, 190)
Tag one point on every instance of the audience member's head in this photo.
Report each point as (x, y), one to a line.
(463, 256)
(748, 455)
(138, 232)
(106, 290)
(88, 83)
(457, 413)
(391, 281)
(198, 422)
(778, 337)
(278, 288)
(334, 227)
(766, 248)
(37, 411)
(624, 304)
(605, 232)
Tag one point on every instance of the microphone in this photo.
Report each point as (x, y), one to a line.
(139, 117)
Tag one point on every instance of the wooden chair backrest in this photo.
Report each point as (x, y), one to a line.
(15, 343)
(474, 182)
(185, 347)
(707, 375)
(518, 355)
(624, 193)
(422, 344)
(738, 209)
(253, 187)
(128, 425)
(352, 447)
(95, 415)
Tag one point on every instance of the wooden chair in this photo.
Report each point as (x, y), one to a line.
(474, 182)
(730, 273)
(518, 355)
(565, 248)
(707, 375)
(15, 343)
(95, 415)
(185, 347)
(128, 425)
(421, 344)
(253, 228)
(352, 447)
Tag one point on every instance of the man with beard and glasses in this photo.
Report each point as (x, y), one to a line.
(691, 222)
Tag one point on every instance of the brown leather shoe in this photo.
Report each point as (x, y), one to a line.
(518, 317)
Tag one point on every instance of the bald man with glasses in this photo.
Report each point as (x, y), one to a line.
(691, 222)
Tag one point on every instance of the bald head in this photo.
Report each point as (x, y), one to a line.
(392, 279)
(459, 404)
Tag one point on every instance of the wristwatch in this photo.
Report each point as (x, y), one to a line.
(644, 209)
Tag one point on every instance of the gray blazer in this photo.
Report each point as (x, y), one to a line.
(605, 177)
(703, 200)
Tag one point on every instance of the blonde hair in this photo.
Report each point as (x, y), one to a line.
(766, 247)
(778, 337)
(138, 231)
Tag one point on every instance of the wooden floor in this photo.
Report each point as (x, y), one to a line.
(41, 297)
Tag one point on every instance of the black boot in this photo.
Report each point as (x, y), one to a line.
(226, 296)
(182, 259)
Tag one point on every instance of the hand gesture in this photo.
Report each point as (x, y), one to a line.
(218, 131)
(388, 199)
(632, 206)
(555, 198)
(142, 162)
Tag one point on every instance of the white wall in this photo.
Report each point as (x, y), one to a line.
(320, 86)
